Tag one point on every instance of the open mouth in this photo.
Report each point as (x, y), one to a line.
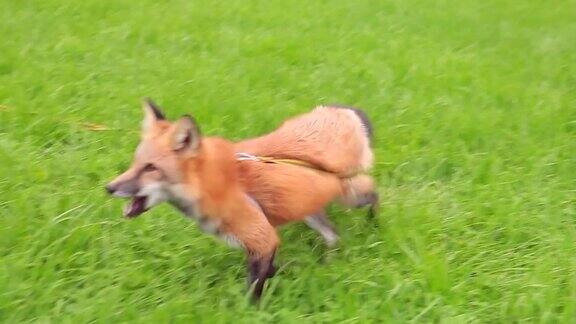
(135, 207)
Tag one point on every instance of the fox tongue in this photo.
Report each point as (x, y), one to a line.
(135, 207)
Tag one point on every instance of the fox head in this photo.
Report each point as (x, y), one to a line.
(156, 172)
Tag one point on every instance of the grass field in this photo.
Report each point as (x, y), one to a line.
(474, 104)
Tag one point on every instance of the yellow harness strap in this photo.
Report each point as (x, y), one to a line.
(269, 159)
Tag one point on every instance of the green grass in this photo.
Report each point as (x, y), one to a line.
(474, 104)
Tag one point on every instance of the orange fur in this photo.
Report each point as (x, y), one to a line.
(242, 201)
(288, 193)
(214, 181)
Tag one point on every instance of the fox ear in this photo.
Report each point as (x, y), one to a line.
(152, 114)
(186, 136)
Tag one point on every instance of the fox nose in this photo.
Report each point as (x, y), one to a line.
(110, 189)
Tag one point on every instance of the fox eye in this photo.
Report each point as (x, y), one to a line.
(149, 167)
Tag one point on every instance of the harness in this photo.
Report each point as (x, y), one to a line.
(269, 159)
(241, 156)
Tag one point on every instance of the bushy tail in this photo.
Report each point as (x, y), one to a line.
(335, 139)
(366, 159)
(364, 120)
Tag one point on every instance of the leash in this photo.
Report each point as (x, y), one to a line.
(268, 159)
(241, 156)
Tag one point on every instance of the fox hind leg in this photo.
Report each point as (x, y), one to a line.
(371, 200)
(320, 223)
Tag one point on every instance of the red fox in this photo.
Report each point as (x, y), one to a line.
(242, 191)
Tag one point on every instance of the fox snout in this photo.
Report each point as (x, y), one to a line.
(143, 188)
(110, 189)
(129, 189)
(122, 189)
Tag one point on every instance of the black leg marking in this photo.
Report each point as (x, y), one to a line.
(260, 269)
(373, 202)
(271, 271)
(253, 265)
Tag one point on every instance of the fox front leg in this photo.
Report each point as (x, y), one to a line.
(259, 270)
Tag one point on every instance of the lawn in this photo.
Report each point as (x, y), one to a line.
(474, 105)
